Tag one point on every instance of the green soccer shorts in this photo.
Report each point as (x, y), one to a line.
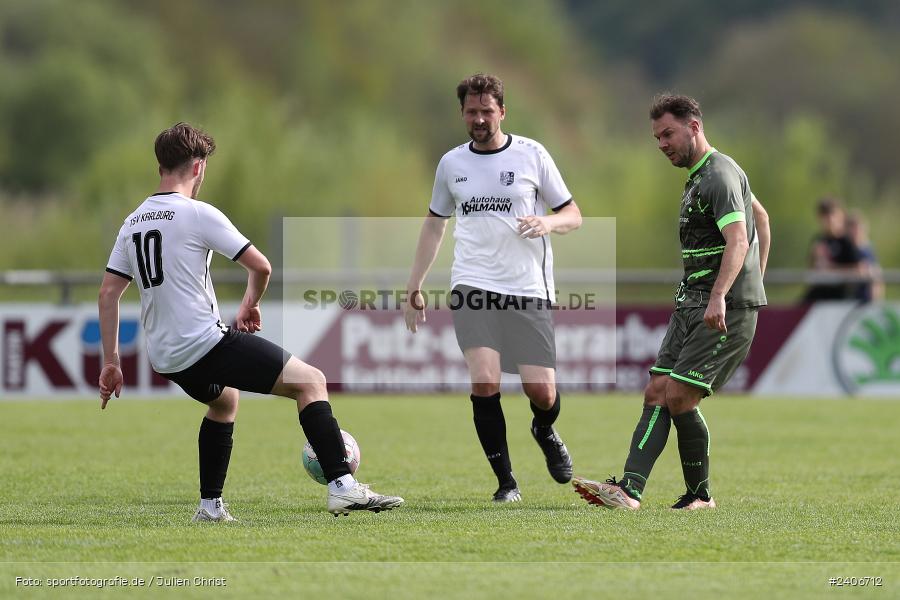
(693, 353)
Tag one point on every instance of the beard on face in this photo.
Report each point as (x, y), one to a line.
(683, 159)
(480, 133)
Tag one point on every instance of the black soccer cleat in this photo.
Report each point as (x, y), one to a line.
(559, 463)
(507, 494)
(689, 501)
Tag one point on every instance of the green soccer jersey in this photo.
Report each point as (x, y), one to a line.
(717, 194)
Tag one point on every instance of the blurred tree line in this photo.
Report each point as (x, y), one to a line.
(324, 108)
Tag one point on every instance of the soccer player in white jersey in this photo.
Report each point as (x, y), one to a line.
(500, 188)
(167, 244)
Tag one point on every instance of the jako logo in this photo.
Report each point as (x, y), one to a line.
(461, 179)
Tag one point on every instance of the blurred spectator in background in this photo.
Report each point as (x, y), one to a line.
(833, 252)
(858, 232)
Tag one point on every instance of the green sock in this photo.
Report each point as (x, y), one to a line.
(693, 446)
(647, 444)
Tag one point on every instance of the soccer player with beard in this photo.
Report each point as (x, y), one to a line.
(500, 187)
(167, 243)
(724, 235)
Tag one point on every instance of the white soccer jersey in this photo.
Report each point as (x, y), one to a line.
(166, 245)
(487, 190)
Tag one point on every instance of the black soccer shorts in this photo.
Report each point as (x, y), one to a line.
(240, 360)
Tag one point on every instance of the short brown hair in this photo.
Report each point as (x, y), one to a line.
(478, 85)
(180, 143)
(681, 107)
(827, 206)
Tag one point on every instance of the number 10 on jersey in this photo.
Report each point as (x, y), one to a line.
(149, 257)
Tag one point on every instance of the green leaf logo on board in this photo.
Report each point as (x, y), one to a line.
(867, 350)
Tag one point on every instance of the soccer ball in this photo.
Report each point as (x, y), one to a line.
(311, 461)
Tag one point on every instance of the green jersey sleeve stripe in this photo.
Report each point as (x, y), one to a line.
(730, 218)
(705, 386)
(660, 370)
(693, 250)
(699, 254)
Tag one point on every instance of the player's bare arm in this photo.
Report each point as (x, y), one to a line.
(111, 290)
(736, 246)
(427, 248)
(761, 218)
(567, 219)
(249, 318)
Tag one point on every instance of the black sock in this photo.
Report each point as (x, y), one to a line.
(693, 446)
(647, 444)
(214, 443)
(324, 435)
(545, 418)
(491, 428)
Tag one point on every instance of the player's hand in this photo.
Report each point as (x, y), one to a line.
(248, 319)
(714, 317)
(110, 383)
(533, 227)
(414, 311)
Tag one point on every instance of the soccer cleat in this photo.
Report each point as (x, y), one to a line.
(690, 501)
(204, 516)
(360, 497)
(559, 463)
(609, 494)
(507, 494)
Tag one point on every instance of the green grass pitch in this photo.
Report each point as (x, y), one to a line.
(807, 490)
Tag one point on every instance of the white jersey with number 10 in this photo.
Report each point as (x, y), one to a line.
(166, 246)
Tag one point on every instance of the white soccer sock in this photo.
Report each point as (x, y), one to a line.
(341, 484)
(212, 505)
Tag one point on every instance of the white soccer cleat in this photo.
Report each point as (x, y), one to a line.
(608, 494)
(360, 497)
(204, 516)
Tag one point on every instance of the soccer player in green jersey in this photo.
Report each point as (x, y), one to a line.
(724, 235)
